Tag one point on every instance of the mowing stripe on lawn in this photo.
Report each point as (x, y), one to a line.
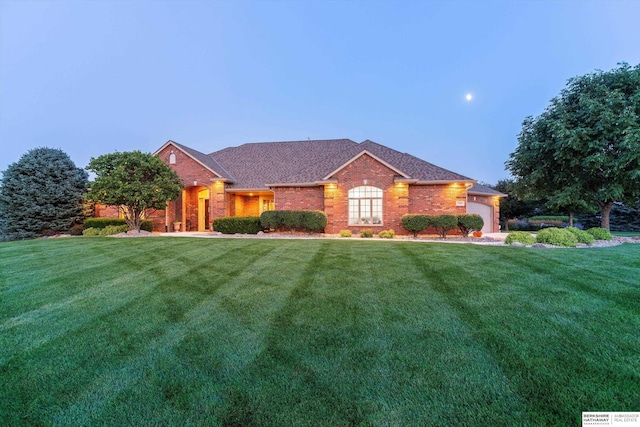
(553, 338)
(312, 332)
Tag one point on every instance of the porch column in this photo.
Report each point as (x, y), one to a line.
(183, 227)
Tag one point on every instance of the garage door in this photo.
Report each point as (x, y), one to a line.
(486, 212)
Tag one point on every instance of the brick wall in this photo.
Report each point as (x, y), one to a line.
(298, 198)
(188, 169)
(364, 170)
(435, 199)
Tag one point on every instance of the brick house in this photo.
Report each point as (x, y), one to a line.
(358, 185)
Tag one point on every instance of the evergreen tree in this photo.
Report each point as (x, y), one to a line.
(41, 193)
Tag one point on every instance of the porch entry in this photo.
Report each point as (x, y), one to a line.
(203, 210)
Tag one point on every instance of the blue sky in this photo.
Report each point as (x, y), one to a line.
(94, 77)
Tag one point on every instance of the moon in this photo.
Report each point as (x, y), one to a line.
(469, 97)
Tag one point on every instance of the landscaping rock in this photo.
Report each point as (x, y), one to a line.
(543, 245)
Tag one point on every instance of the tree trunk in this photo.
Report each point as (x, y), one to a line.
(132, 217)
(570, 219)
(606, 210)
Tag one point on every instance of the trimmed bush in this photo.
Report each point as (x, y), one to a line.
(415, 223)
(303, 220)
(90, 232)
(237, 225)
(271, 220)
(366, 233)
(345, 233)
(520, 237)
(146, 224)
(469, 222)
(444, 223)
(557, 237)
(110, 230)
(600, 233)
(387, 234)
(314, 221)
(102, 222)
(581, 235)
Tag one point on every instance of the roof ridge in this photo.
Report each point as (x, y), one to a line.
(282, 142)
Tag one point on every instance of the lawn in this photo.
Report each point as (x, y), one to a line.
(168, 331)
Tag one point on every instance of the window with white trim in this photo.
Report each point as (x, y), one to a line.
(365, 205)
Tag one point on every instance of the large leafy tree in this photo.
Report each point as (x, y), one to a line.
(135, 182)
(42, 192)
(584, 149)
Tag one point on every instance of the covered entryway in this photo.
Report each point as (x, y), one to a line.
(203, 210)
(485, 211)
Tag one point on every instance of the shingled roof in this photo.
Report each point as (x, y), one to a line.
(483, 190)
(256, 165)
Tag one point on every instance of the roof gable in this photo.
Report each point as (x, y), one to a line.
(206, 161)
(373, 156)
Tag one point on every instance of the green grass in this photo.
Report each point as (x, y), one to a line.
(626, 233)
(162, 331)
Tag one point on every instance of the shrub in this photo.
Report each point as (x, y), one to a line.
(477, 234)
(582, 236)
(345, 233)
(271, 219)
(146, 224)
(560, 218)
(387, 234)
(444, 223)
(76, 230)
(520, 237)
(600, 233)
(238, 224)
(557, 237)
(415, 223)
(539, 224)
(113, 229)
(314, 221)
(367, 232)
(469, 222)
(305, 220)
(91, 232)
(536, 223)
(102, 222)
(520, 225)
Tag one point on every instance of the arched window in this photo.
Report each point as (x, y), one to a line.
(365, 206)
(172, 159)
